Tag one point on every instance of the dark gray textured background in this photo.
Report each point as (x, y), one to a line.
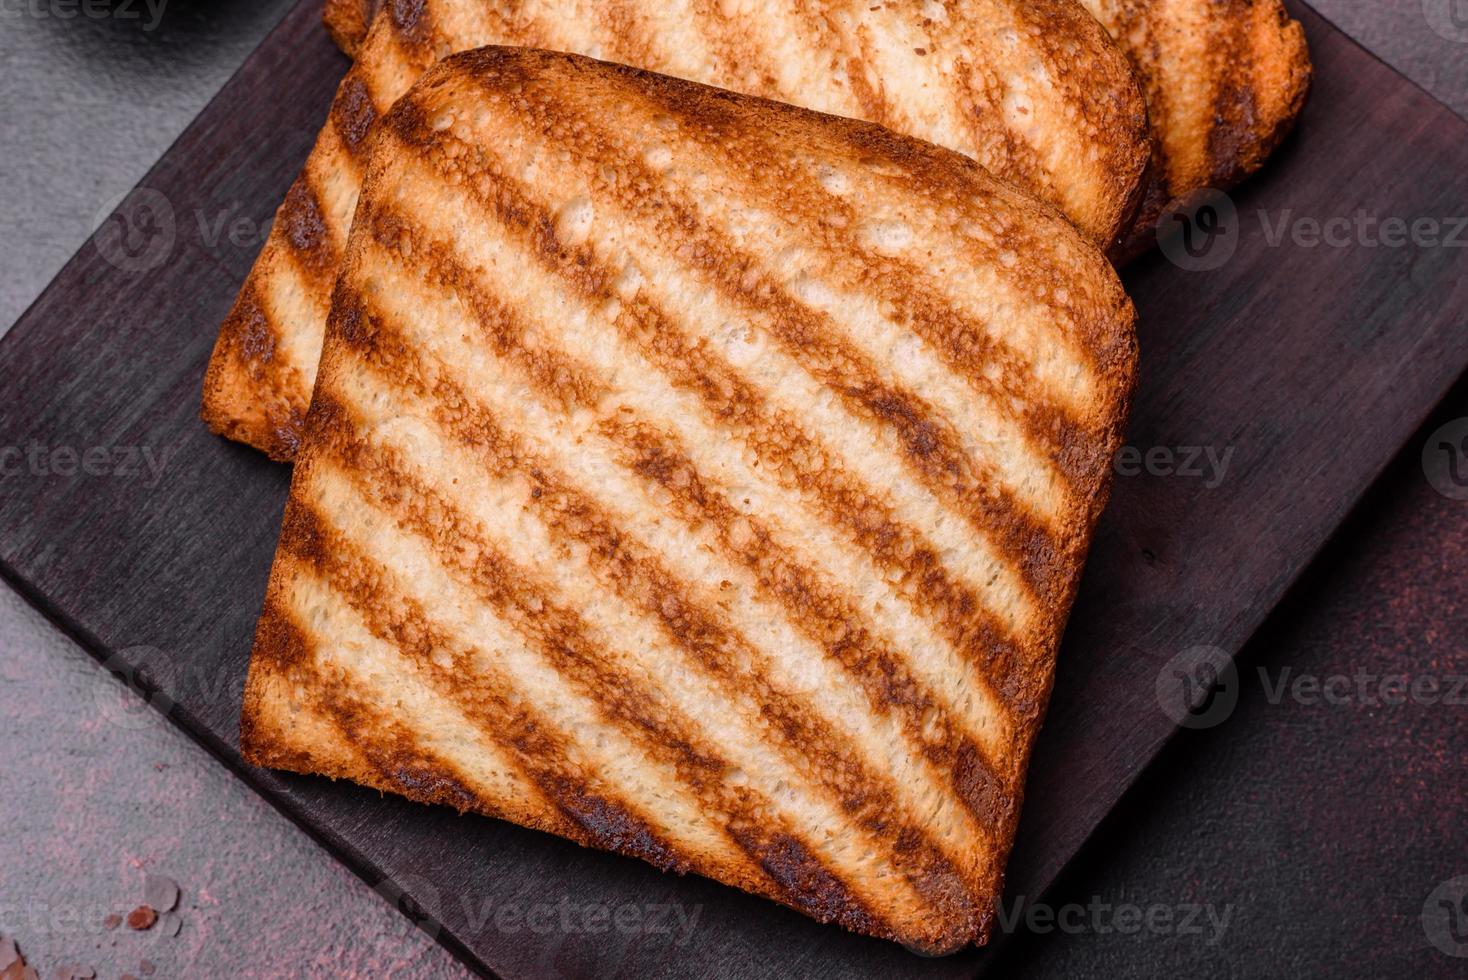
(1319, 830)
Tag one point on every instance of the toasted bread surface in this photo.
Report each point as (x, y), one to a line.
(696, 477)
(347, 21)
(1032, 89)
(1225, 82)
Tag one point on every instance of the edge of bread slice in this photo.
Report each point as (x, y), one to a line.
(699, 478)
(1225, 84)
(1031, 88)
(347, 21)
(1226, 81)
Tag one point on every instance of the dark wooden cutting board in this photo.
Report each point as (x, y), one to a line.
(1304, 367)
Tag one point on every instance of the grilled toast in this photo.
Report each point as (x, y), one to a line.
(1030, 88)
(347, 22)
(1225, 81)
(697, 477)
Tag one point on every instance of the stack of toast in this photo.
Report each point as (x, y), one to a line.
(701, 412)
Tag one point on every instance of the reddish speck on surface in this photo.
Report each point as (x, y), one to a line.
(141, 918)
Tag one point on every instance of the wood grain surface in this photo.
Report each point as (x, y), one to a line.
(1305, 367)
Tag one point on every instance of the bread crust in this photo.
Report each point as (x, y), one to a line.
(1033, 89)
(1226, 81)
(347, 21)
(1246, 93)
(516, 576)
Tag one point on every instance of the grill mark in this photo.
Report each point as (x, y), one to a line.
(983, 636)
(636, 574)
(931, 448)
(282, 655)
(826, 618)
(822, 614)
(248, 352)
(412, 20)
(250, 334)
(581, 270)
(737, 50)
(966, 343)
(1050, 20)
(538, 749)
(871, 96)
(306, 237)
(808, 886)
(419, 509)
(774, 437)
(405, 766)
(354, 114)
(1234, 111)
(569, 515)
(625, 35)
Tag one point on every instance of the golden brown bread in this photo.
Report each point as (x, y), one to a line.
(1225, 82)
(1030, 88)
(696, 477)
(347, 22)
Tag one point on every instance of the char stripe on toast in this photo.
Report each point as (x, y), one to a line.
(1225, 82)
(1032, 89)
(694, 541)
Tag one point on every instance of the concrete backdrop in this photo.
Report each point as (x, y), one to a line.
(1318, 833)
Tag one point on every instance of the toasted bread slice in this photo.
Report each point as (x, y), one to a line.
(1225, 80)
(697, 477)
(1030, 88)
(347, 22)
